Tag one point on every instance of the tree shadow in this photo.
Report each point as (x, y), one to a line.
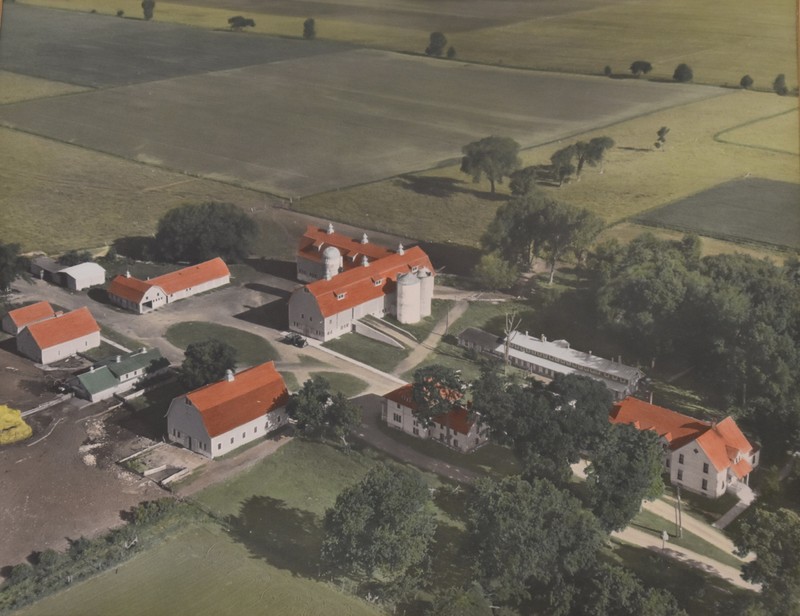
(138, 247)
(632, 149)
(285, 537)
(454, 258)
(275, 267)
(432, 186)
(274, 314)
(99, 295)
(452, 550)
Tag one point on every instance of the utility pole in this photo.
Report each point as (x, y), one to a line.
(679, 515)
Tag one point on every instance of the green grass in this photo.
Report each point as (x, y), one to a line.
(654, 524)
(423, 328)
(347, 384)
(381, 356)
(291, 381)
(697, 592)
(115, 336)
(490, 459)
(706, 509)
(250, 349)
(204, 571)
(309, 360)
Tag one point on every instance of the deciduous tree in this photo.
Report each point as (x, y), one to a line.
(206, 362)
(746, 82)
(382, 527)
(148, 6)
(309, 29)
(198, 232)
(436, 44)
(523, 181)
(625, 469)
(683, 73)
(238, 23)
(11, 265)
(321, 413)
(435, 390)
(561, 162)
(495, 273)
(641, 67)
(779, 85)
(494, 157)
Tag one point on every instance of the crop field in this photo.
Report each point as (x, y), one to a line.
(564, 35)
(202, 572)
(15, 87)
(752, 210)
(780, 133)
(320, 122)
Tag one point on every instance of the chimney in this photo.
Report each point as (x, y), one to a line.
(229, 376)
(59, 313)
(328, 275)
(330, 228)
(401, 250)
(118, 359)
(91, 368)
(364, 261)
(619, 359)
(127, 273)
(364, 239)
(651, 397)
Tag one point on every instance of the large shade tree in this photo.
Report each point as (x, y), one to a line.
(199, 232)
(11, 265)
(494, 157)
(321, 413)
(206, 362)
(382, 527)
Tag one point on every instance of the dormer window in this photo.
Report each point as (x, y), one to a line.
(378, 282)
(340, 295)
(414, 269)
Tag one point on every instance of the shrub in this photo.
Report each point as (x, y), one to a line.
(451, 52)
(309, 29)
(73, 257)
(120, 13)
(436, 44)
(779, 85)
(493, 273)
(746, 82)
(683, 73)
(148, 6)
(607, 71)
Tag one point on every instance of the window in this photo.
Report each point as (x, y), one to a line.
(455, 443)
(255, 429)
(398, 417)
(219, 445)
(680, 458)
(416, 431)
(705, 484)
(680, 475)
(379, 282)
(244, 435)
(340, 295)
(231, 440)
(705, 467)
(668, 462)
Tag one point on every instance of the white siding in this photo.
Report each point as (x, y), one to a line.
(692, 472)
(28, 347)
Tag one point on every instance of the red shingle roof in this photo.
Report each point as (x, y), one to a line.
(253, 393)
(58, 330)
(458, 417)
(315, 240)
(359, 284)
(30, 314)
(131, 289)
(191, 276)
(722, 442)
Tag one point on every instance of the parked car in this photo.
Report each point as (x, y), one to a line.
(297, 340)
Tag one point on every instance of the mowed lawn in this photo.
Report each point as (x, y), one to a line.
(202, 572)
(571, 36)
(250, 349)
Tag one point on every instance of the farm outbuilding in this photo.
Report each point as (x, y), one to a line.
(16, 320)
(118, 375)
(45, 268)
(83, 276)
(59, 337)
(220, 417)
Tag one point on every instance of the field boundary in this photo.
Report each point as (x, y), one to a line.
(718, 136)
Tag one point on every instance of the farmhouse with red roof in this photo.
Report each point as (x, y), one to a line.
(377, 283)
(455, 428)
(223, 416)
(16, 320)
(59, 337)
(703, 457)
(146, 295)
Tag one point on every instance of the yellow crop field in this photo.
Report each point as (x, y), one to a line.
(15, 88)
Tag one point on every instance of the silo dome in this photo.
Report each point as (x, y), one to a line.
(331, 261)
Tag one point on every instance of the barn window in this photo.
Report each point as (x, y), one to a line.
(231, 440)
(219, 445)
(340, 295)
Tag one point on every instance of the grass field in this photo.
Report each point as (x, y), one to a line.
(749, 210)
(202, 572)
(777, 133)
(382, 356)
(250, 349)
(347, 384)
(15, 88)
(721, 46)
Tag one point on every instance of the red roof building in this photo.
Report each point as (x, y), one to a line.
(704, 457)
(146, 295)
(59, 337)
(220, 417)
(16, 320)
(349, 252)
(458, 428)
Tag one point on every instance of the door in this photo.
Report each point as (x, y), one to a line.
(190, 443)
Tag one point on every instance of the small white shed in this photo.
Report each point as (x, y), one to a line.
(83, 276)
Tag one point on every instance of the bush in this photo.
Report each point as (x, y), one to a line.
(494, 273)
(148, 6)
(120, 13)
(746, 82)
(309, 29)
(779, 85)
(73, 257)
(451, 52)
(683, 73)
(607, 71)
(436, 44)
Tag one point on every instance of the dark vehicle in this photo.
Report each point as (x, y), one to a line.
(297, 340)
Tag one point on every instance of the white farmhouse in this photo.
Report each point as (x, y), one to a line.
(708, 458)
(456, 428)
(223, 416)
(15, 320)
(59, 337)
(146, 295)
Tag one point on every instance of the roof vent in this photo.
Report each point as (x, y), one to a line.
(364, 261)
(229, 375)
(401, 250)
(91, 368)
(364, 239)
(544, 338)
(330, 228)
(118, 359)
(127, 273)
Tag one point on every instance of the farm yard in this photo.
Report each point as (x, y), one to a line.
(750, 210)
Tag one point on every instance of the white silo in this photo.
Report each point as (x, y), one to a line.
(426, 291)
(331, 262)
(408, 292)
